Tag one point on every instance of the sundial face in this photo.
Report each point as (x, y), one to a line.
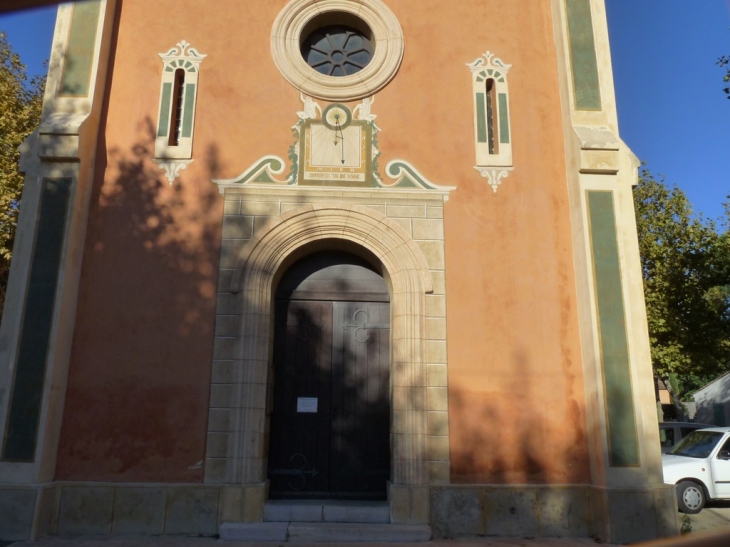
(336, 149)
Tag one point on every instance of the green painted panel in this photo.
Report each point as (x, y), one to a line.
(188, 110)
(586, 86)
(503, 119)
(620, 414)
(481, 119)
(26, 396)
(76, 78)
(164, 125)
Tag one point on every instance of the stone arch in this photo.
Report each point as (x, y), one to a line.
(410, 280)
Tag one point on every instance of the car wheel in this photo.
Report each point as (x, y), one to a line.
(691, 497)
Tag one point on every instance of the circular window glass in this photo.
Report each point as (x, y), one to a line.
(337, 50)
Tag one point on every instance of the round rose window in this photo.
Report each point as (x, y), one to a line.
(337, 50)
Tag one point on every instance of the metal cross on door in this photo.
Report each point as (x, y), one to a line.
(330, 425)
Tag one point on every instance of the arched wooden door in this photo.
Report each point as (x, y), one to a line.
(330, 419)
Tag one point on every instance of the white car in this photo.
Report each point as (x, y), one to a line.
(699, 465)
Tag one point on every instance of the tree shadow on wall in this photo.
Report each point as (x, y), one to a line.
(138, 387)
(509, 439)
(512, 437)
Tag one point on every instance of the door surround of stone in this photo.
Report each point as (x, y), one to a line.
(275, 245)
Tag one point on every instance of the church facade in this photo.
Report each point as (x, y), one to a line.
(279, 259)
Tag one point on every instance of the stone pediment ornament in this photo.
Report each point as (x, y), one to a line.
(339, 125)
(263, 171)
(407, 176)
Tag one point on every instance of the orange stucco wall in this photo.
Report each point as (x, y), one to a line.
(138, 386)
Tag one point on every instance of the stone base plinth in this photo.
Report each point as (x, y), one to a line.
(611, 515)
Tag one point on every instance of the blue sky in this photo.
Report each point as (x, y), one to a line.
(672, 112)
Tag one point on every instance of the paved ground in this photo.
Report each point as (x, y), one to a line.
(206, 542)
(715, 518)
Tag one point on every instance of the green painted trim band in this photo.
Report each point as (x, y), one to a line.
(623, 444)
(164, 126)
(79, 59)
(481, 119)
(503, 119)
(586, 86)
(187, 131)
(26, 396)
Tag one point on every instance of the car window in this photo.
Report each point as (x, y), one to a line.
(697, 444)
(724, 450)
(687, 430)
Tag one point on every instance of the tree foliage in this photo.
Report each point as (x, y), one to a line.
(686, 268)
(20, 110)
(724, 62)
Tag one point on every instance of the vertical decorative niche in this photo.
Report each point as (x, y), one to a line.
(492, 132)
(176, 119)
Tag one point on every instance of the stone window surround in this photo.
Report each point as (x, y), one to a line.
(294, 22)
(174, 158)
(283, 224)
(494, 167)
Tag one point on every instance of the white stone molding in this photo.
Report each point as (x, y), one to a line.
(186, 58)
(599, 150)
(299, 18)
(494, 175)
(172, 168)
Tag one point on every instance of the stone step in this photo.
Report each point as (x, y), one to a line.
(327, 511)
(324, 532)
(293, 511)
(253, 531)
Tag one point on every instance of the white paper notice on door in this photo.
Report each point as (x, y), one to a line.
(307, 404)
